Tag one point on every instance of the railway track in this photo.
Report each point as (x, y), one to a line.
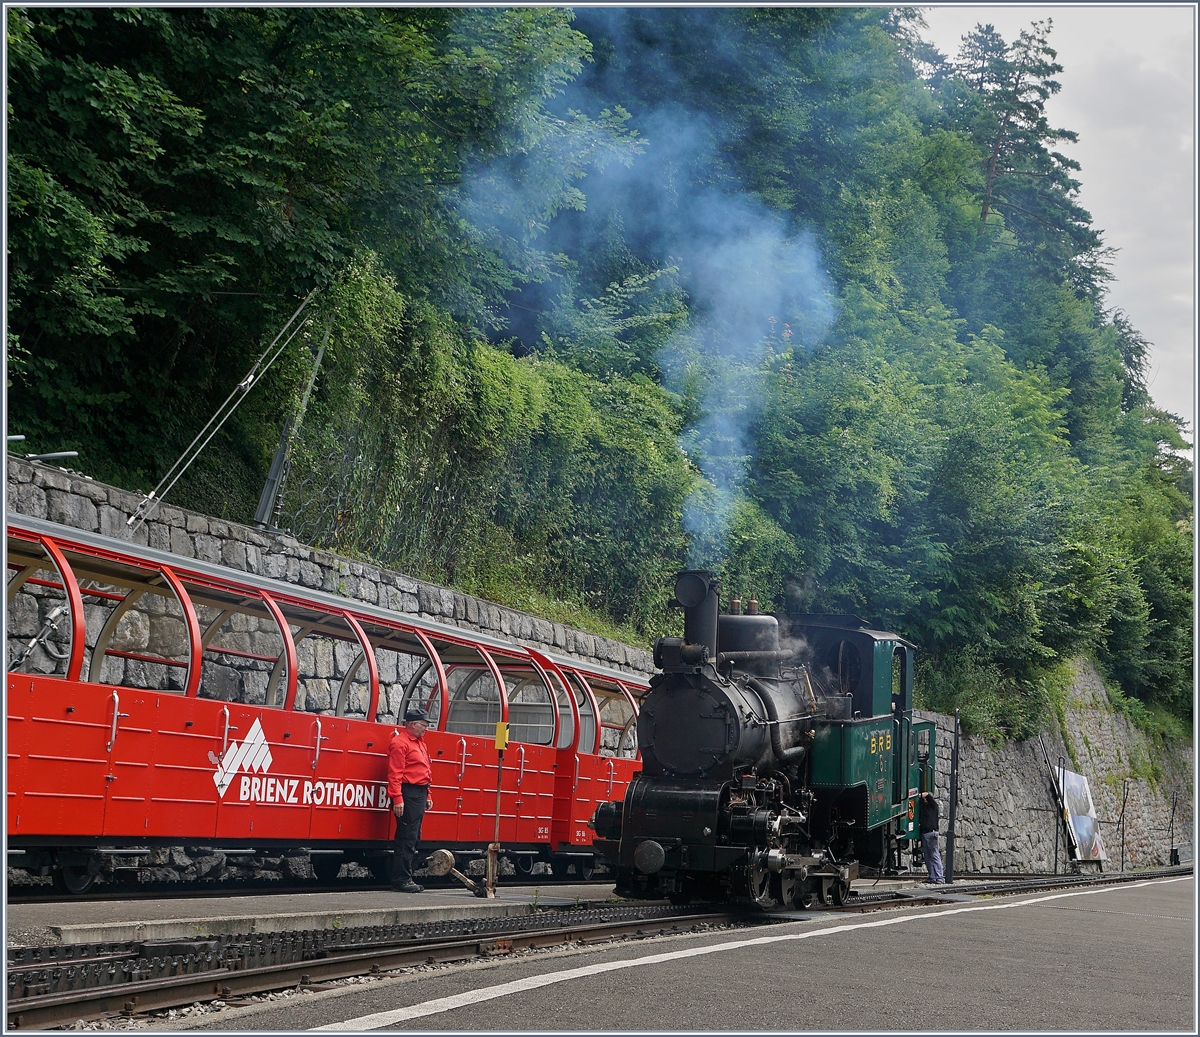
(55, 986)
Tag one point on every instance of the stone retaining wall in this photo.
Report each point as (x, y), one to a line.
(46, 492)
(1006, 809)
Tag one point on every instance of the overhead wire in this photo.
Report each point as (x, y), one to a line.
(222, 414)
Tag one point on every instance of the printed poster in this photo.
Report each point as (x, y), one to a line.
(1085, 829)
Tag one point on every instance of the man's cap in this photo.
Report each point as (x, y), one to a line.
(415, 713)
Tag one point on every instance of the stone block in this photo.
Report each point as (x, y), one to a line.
(316, 695)
(112, 522)
(132, 633)
(23, 619)
(181, 543)
(233, 554)
(168, 637)
(29, 500)
(171, 516)
(49, 479)
(160, 536)
(208, 548)
(310, 574)
(195, 523)
(93, 491)
(274, 566)
(223, 682)
(71, 510)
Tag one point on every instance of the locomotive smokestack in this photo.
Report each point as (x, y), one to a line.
(696, 591)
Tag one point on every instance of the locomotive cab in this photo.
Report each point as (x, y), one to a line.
(777, 758)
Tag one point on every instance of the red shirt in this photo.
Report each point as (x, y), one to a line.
(408, 762)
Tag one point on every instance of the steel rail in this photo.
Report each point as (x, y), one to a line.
(42, 1011)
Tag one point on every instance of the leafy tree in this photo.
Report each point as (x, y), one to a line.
(782, 290)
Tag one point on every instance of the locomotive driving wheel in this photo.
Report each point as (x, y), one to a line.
(785, 888)
(760, 883)
(806, 896)
(839, 890)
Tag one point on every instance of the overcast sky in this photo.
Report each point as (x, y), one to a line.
(1128, 90)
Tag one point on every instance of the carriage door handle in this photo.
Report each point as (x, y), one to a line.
(612, 771)
(576, 784)
(462, 761)
(225, 736)
(521, 771)
(320, 739)
(117, 714)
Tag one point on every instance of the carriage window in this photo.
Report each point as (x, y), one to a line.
(407, 677)
(618, 725)
(566, 719)
(332, 675)
(587, 721)
(530, 713)
(243, 646)
(39, 613)
(136, 634)
(474, 698)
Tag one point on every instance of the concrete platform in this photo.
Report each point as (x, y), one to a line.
(111, 920)
(171, 919)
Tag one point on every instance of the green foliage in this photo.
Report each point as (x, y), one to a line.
(524, 224)
(432, 451)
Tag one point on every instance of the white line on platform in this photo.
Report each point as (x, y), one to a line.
(517, 986)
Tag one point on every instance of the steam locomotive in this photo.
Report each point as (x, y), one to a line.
(779, 756)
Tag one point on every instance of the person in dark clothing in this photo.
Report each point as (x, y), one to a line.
(409, 779)
(929, 838)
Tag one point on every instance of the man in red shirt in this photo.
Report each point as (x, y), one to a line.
(409, 778)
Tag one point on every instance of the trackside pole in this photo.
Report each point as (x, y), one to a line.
(493, 850)
(949, 869)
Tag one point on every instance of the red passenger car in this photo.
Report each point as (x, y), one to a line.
(160, 700)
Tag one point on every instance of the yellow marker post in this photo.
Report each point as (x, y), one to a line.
(493, 851)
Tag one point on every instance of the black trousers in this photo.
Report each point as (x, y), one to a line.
(408, 832)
